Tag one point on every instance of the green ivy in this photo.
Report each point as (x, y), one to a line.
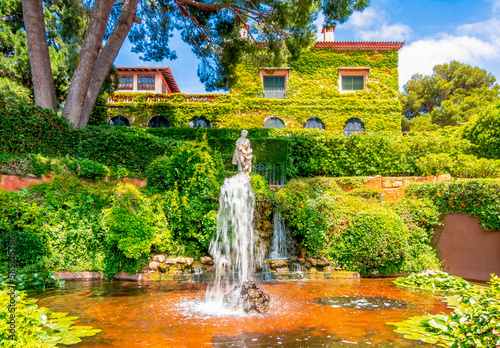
(475, 197)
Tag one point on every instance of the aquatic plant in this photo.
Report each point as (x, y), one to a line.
(37, 326)
(475, 321)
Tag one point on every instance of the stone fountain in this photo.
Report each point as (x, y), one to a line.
(233, 246)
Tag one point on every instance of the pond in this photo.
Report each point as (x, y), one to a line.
(319, 313)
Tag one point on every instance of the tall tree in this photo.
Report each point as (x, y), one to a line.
(222, 32)
(450, 96)
(65, 22)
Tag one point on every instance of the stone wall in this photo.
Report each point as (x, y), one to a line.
(394, 187)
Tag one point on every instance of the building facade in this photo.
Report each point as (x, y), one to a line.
(338, 86)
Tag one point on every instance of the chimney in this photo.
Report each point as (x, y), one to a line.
(328, 32)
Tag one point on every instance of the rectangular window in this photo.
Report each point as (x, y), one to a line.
(146, 82)
(126, 82)
(274, 87)
(163, 88)
(353, 83)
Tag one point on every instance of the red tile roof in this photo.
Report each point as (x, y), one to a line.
(360, 45)
(165, 71)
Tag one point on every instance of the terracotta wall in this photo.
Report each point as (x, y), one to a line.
(467, 249)
(14, 183)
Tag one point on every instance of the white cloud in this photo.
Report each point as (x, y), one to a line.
(395, 32)
(422, 55)
(372, 25)
(362, 19)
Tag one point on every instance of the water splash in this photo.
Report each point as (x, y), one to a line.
(232, 248)
(282, 239)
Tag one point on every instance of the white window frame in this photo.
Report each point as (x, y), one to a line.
(350, 71)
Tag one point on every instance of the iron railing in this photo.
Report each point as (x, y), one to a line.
(276, 93)
(273, 173)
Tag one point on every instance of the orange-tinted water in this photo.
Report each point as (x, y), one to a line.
(155, 314)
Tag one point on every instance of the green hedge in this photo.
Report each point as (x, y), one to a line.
(360, 234)
(476, 197)
(307, 153)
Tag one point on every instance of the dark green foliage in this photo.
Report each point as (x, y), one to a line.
(89, 169)
(476, 197)
(99, 114)
(483, 131)
(31, 129)
(133, 149)
(420, 216)
(451, 95)
(367, 154)
(191, 177)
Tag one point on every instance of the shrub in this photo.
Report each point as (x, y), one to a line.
(133, 222)
(461, 166)
(88, 169)
(483, 131)
(192, 177)
(368, 193)
(373, 241)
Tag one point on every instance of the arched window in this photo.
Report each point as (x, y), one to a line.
(199, 122)
(353, 125)
(119, 121)
(274, 122)
(158, 122)
(314, 123)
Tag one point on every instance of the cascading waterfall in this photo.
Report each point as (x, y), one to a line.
(281, 246)
(232, 248)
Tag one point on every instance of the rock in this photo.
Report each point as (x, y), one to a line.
(303, 269)
(170, 261)
(329, 269)
(163, 267)
(145, 269)
(337, 268)
(311, 261)
(207, 260)
(180, 259)
(153, 265)
(307, 264)
(281, 269)
(321, 263)
(301, 260)
(159, 258)
(313, 269)
(189, 261)
(278, 264)
(325, 260)
(247, 297)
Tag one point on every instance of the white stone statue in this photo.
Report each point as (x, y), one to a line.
(243, 153)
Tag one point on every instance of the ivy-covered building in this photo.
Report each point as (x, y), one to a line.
(338, 86)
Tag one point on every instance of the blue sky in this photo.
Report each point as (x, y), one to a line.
(434, 31)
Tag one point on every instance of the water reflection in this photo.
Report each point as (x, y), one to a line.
(303, 314)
